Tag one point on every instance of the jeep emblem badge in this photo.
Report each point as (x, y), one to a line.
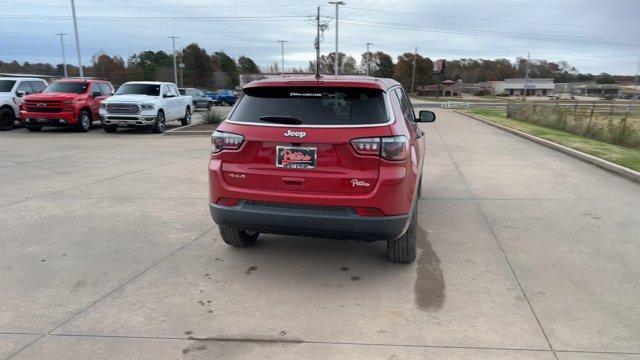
(298, 134)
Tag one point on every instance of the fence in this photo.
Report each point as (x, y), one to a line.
(455, 104)
(615, 123)
(473, 105)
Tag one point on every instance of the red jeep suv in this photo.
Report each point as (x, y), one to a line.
(66, 102)
(334, 157)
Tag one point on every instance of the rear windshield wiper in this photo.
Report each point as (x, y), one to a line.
(281, 119)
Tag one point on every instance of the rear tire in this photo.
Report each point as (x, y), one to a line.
(237, 238)
(84, 121)
(403, 249)
(34, 128)
(161, 123)
(7, 119)
(186, 120)
(110, 128)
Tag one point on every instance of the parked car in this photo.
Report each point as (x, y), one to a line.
(145, 104)
(12, 91)
(222, 97)
(65, 103)
(200, 100)
(335, 157)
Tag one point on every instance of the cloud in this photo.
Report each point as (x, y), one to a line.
(594, 36)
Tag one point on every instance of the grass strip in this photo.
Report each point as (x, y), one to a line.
(629, 158)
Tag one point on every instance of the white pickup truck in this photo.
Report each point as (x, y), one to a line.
(11, 92)
(145, 103)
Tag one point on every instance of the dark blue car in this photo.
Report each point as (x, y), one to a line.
(222, 96)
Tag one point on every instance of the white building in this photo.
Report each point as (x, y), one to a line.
(517, 87)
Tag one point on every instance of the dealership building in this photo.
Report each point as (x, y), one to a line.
(519, 87)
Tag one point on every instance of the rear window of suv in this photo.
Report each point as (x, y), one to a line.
(312, 106)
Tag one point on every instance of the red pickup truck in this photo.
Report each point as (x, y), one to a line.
(65, 103)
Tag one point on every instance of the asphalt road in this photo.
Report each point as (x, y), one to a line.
(108, 252)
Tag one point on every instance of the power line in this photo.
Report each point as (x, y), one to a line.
(489, 33)
(478, 31)
(159, 18)
(494, 20)
(157, 6)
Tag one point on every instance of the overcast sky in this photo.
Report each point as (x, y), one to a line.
(593, 35)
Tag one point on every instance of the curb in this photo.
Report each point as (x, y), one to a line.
(601, 163)
(184, 131)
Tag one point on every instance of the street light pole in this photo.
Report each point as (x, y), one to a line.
(181, 65)
(368, 58)
(336, 57)
(413, 73)
(282, 54)
(64, 59)
(175, 65)
(75, 29)
(526, 77)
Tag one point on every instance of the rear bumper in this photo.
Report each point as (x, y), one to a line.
(62, 118)
(326, 222)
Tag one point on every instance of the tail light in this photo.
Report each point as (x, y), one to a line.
(367, 146)
(395, 147)
(225, 141)
(390, 148)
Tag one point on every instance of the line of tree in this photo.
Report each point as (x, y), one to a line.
(216, 70)
(219, 70)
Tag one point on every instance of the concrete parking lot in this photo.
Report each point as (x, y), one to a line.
(108, 252)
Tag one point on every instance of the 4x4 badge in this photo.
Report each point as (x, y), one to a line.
(298, 134)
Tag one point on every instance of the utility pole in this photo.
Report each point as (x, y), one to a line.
(368, 59)
(320, 28)
(526, 77)
(413, 75)
(318, 44)
(75, 28)
(175, 65)
(181, 65)
(64, 59)
(337, 3)
(282, 53)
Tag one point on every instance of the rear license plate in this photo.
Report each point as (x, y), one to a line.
(296, 157)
